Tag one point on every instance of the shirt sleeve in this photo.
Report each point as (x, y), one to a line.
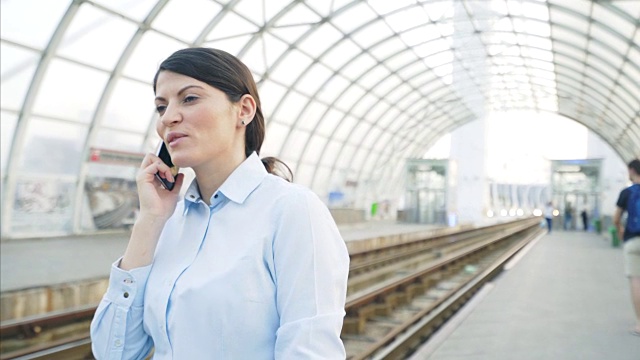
(622, 199)
(116, 329)
(311, 268)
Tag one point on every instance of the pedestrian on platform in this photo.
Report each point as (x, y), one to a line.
(548, 215)
(585, 219)
(629, 201)
(244, 265)
(568, 215)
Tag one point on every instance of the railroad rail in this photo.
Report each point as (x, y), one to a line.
(387, 280)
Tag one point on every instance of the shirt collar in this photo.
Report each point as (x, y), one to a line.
(237, 187)
(244, 179)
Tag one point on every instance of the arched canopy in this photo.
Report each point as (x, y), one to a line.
(350, 88)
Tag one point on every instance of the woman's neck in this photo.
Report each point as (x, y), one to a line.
(212, 175)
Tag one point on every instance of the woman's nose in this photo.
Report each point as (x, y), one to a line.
(171, 116)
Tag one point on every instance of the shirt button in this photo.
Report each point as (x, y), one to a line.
(215, 196)
(128, 281)
(118, 343)
(126, 294)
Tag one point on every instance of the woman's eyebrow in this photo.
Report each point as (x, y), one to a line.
(160, 98)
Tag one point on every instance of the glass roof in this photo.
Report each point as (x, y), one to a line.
(350, 88)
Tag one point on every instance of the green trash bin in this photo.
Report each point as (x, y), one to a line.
(615, 241)
(598, 225)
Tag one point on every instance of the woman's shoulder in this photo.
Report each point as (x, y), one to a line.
(281, 190)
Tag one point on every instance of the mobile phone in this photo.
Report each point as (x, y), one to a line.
(163, 154)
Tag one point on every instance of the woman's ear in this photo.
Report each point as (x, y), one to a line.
(247, 107)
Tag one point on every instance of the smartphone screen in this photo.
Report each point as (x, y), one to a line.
(163, 154)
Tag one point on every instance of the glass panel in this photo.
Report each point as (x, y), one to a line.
(96, 37)
(53, 147)
(329, 122)
(320, 40)
(346, 154)
(629, 7)
(388, 48)
(372, 34)
(350, 97)
(311, 116)
(299, 14)
(313, 79)
(606, 38)
(231, 45)
(358, 133)
(130, 107)
(290, 69)
(231, 25)
(118, 140)
(374, 76)
(314, 149)
(340, 54)
(304, 174)
(333, 88)
(365, 104)
(31, 22)
(152, 49)
(331, 153)
(606, 18)
(276, 133)
(274, 7)
(138, 10)
(321, 182)
(358, 66)
(273, 47)
(422, 35)
(270, 96)
(8, 122)
(345, 127)
(293, 147)
(354, 17)
(384, 6)
(291, 107)
(192, 15)
(70, 91)
(17, 66)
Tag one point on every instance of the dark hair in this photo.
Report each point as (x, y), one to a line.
(635, 165)
(228, 74)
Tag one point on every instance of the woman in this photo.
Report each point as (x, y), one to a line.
(246, 265)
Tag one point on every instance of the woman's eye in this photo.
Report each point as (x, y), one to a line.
(190, 98)
(160, 108)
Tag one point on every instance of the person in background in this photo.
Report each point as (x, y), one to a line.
(629, 201)
(568, 214)
(548, 215)
(585, 219)
(244, 265)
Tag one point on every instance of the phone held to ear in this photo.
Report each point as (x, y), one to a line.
(163, 154)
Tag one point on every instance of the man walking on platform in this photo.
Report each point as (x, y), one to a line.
(629, 201)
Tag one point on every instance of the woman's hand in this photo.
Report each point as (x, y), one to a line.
(155, 201)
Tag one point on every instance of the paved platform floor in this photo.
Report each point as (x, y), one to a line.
(566, 299)
(27, 263)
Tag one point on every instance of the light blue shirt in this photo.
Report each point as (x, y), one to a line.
(261, 273)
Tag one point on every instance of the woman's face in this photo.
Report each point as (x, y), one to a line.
(197, 121)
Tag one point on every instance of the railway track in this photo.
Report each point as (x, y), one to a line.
(391, 319)
(391, 291)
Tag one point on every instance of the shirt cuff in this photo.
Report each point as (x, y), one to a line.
(126, 288)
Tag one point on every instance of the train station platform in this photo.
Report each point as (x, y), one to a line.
(564, 298)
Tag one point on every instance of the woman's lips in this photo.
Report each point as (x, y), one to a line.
(174, 139)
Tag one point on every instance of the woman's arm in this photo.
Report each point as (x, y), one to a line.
(311, 266)
(116, 329)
